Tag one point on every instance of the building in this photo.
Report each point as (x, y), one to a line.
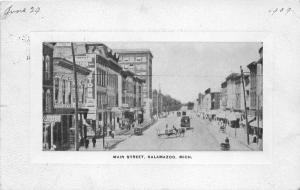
(104, 99)
(140, 63)
(206, 103)
(223, 101)
(231, 91)
(211, 101)
(215, 100)
(59, 100)
(138, 99)
(132, 96)
(199, 101)
(256, 92)
(106, 92)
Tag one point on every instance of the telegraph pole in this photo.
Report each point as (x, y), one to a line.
(76, 99)
(157, 104)
(247, 125)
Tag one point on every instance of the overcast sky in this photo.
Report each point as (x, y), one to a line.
(183, 69)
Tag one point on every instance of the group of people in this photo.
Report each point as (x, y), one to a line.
(85, 142)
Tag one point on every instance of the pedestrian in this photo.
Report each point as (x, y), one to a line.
(87, 143)
(226, 140)
(81, 142)
(94, 141)
(113, 134)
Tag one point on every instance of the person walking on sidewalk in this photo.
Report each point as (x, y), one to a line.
(87, 143)
(94, 141)
(226, 140)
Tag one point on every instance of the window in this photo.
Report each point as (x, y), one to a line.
(70, 92)
(56, 90)
(47, 67)
(131, 59)
(98, 99)
(98, 76)
(83, 93)
(64, 91)
(48, 100)
(141, 67)
(44, 101)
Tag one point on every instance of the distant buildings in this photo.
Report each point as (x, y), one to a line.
(164, 103)
(234, 92)
(224, 96)
(211, 100)
(231, 97)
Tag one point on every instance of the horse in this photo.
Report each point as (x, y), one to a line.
(180, 131)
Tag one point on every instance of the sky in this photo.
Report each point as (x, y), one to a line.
(184, 69)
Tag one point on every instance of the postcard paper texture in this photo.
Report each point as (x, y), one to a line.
(99, 94)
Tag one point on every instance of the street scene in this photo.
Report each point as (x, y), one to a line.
(152, 96)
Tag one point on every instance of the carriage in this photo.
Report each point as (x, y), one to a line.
(225, 146)
(171, 132)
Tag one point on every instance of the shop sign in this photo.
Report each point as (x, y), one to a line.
(91, 115)
(63, 106)
(85, 60)
(90, 102)
(125, 105)
(90, 92)
(67, 105)
(51, 118)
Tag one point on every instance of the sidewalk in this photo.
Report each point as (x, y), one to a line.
(109, 142)
(235, 137)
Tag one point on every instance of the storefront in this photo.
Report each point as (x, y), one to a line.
(56, 131)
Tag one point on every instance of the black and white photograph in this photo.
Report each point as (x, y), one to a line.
(152, 96)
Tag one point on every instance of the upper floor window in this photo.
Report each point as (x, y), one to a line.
(83, 93)
(47, 67)
(48, 100)
(70, 93)
(56, 90)
(64, 91)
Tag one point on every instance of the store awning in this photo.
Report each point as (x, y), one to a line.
(254, 124)
(91, 116)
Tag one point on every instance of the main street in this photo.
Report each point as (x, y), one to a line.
(199, 138)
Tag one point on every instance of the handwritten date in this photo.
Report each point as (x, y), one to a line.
(20, 11)
(281, 10)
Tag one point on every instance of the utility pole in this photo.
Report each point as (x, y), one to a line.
(257, 117)
(76, 99)
(157, 104)
(247, 125)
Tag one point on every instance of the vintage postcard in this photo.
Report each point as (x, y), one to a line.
(150, 95)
